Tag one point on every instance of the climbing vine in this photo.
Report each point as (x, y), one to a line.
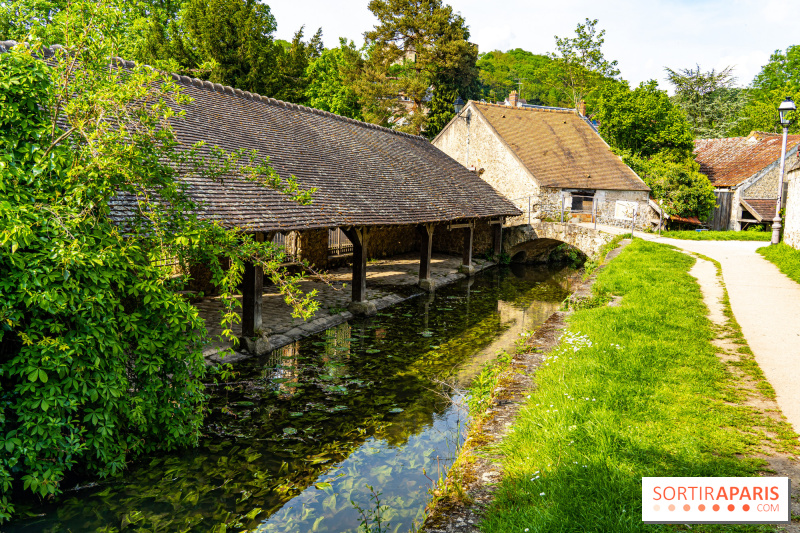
(100, 357)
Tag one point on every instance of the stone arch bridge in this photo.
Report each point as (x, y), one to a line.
(532, 243)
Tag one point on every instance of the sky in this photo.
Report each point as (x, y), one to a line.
(644, 36)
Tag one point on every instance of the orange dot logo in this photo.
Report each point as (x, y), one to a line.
(745, 507)
(716, 507)
(687, 507)
(701, 507)
(731, 507)
(671, 507)
(656, 507)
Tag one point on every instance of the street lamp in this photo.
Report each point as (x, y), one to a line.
(784, 109)
(458, 105)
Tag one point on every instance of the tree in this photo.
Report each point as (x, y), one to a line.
(654, 138)
(520, 70)
(330, 78)
(582, 67)
(711, 103)
(778, 79)
(100, 357)
(293, 60)
(644, 121)
(416, 46)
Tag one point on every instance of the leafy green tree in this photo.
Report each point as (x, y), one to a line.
(100, 358)
(330, 79)
(520, 70)
(653, 137)
(678, 185)
(644, 121)
(711, 103)
(417, 45)
(778, 79)
(581, 66)
(293, 60)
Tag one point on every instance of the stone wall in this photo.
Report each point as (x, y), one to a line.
(764, 187)
(606, 200)
(477, 145)
(393, 240)
(452, 241)
(313, 247)
(791, 232)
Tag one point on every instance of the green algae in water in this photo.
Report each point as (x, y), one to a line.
(304, 431)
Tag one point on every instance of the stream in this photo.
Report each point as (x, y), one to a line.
(294, 441)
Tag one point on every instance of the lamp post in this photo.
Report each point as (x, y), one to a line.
(784, 109)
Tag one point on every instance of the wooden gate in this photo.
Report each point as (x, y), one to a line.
(721, 215)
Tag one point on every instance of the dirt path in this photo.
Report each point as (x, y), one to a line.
(766, 304)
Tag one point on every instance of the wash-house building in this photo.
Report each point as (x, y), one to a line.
(377, 192)
(550, 162)
(744, 172)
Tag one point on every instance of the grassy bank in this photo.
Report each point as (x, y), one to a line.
(719, 235)
(786, 258)
(634, 390)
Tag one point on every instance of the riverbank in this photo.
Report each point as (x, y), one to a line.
(646, 385)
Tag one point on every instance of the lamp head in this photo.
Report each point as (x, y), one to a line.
(784, 109)
(458, 104)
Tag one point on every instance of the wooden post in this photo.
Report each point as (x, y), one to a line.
(425, 251)
(252, 285)
(359, 237)
(466, 257)
(497, 238)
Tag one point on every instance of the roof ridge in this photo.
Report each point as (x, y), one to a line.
(544, 109)
(227, 89)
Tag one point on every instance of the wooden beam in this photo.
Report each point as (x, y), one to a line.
(497, 239)
(359, 237)
(466, 257)
(252, 285)
(425, 250)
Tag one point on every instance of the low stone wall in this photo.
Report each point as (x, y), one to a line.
(393, 240)
(791, 232)
(313, 247)
(531, 243)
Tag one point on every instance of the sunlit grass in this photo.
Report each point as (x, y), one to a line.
(632, 391)
(786, 258)
(719, 235)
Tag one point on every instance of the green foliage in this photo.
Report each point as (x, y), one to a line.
(416, 45)
(643, 121)
(329, 80)
(632, 390)
(482, 388)
(786, 258)
(582, 67)
(371, 519)
(679, 187)
(100, 359)
(718, 235)
(711, 103)
(293, 63)
(592, 265)
(520, 70)
(779, 78)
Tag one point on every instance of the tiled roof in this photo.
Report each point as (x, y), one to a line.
(728, 162)
(761, 209)
(364, 174)
(560, 149)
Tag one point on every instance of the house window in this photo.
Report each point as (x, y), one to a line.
(582, 202)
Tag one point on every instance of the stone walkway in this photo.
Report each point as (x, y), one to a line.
(389, 281)
(766, 304)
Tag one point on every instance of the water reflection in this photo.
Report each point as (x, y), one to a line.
(294, 438)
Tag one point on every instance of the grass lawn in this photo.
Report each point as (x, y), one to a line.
(785, 257)
(634, 390)
(719, 235)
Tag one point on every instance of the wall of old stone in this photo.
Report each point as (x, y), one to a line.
(791, 232)
(477, 145)
(765, 187)
(392, 240)
(312, 246)
(550, 206)
(452, 241)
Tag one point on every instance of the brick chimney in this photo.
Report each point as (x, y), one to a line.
(513, 99)
(582, 108)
